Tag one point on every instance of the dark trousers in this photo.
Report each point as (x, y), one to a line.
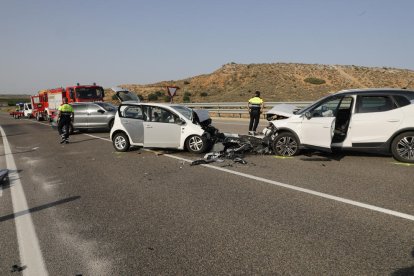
(63, 127)
(254, 119)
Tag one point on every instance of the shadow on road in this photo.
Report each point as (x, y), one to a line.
(38, 208)
(309, 155)
(81, 141)
(405, 271)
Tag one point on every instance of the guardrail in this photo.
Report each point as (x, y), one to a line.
(238, 108)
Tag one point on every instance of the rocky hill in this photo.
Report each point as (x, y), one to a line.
(277, 82)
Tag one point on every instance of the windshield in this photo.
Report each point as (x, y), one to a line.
(306, 108)
(89, 93)
(29, 106)
(107, 106)
(185, 111)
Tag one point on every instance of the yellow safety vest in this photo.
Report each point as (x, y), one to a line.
(65, 108)
(256, 102)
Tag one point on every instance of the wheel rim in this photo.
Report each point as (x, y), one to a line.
(286, 146)
(120, 142)
(195, 143)
(405, 148)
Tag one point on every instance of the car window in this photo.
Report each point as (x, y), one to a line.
(185, 111)
(107, 106)
(132, 112)
(401, 100)
(161, 115)
(368, 104)
(326, 109)
(79, 108)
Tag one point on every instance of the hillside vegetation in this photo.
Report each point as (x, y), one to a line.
(277, 82)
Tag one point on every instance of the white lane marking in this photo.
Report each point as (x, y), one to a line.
(323, 195)
(105, 139)
(29, 249)
(336, 198)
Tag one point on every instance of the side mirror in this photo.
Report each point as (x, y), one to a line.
(308, 115)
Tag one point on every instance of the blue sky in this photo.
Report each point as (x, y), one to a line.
(53, 43)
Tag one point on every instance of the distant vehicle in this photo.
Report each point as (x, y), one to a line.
(18, 112)
(48, 101)
(27, 110)
(370, 120)
(39, 103)
(94, 115)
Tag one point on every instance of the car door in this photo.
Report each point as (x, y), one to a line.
(125, 96)
(81, 115)
(376, 118)
(318, 124)
(161, 129)
(132, 118)
(96, 116)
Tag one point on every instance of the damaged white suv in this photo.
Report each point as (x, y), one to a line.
(157, 125)
(370, 120)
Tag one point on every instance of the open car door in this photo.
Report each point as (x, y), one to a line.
(317, 132)
(125, 96)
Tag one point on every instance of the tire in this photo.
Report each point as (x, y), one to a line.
(402, 147)
(196, 144)
(37, 117)
(121, 142)
(286, 144)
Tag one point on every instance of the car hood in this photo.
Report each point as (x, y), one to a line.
(125, 96)
(285, 110)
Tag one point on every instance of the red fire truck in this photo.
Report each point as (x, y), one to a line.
(50, 100)
(39, 103)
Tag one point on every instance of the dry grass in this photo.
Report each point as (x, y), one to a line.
(278, 82)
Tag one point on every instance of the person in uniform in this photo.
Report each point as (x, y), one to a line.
(65, 117)
(255, 106)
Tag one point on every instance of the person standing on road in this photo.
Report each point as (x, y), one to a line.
(65, 117)
(255, 106)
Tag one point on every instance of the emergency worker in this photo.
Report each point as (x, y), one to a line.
(65, 117)
(255, 106)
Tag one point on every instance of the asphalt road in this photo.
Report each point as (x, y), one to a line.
(93, 211)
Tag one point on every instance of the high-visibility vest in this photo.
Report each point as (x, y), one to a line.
(65, 109)
(255, 102)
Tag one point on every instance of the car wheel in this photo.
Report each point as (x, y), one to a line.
(286, 144)
(402, 147)
(111, 124)
(196, 144)
(121, 142)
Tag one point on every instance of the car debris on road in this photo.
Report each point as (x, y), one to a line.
(235, 147)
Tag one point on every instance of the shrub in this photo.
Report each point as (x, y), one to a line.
(313, 80)
(167, 99)
(152, 97)
(186, 82)
(186, 99)
(188, 94)
(204, 94)
(159, 93)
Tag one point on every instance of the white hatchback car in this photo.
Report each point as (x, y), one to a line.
(157, 125)
(370, 120)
